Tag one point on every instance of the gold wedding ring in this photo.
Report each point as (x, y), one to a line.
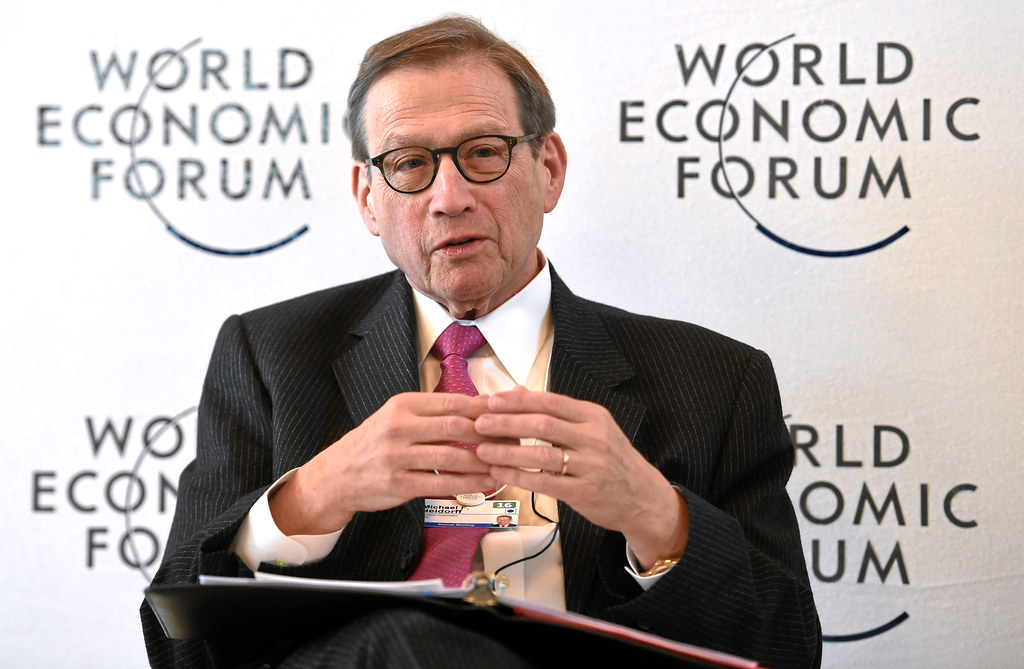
(565, 462)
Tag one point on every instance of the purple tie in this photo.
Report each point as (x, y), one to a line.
(448, 551)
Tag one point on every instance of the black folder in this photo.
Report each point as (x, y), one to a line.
(246, 619)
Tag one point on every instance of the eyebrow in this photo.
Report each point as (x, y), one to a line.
(402, 140)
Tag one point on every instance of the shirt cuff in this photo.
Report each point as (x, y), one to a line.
(633, 569)
(260, 540)
(633, 565)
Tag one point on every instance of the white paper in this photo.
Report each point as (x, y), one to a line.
(434, 586)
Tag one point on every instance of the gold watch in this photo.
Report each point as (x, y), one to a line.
(660, 566)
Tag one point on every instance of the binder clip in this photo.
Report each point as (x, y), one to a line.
(481, 589)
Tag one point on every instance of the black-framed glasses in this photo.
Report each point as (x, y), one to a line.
(480, 159)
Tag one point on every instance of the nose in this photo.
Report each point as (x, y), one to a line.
(450, 194)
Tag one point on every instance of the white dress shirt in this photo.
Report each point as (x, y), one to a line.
(518, 349)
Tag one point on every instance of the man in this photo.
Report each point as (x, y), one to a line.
(662, 504)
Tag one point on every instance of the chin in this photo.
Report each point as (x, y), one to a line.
(469, 304)
(470, 288)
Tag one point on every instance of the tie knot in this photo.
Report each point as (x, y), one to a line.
(461, 340)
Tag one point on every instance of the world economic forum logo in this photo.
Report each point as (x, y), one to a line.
(120, 490)
(865, 508)
(822, 146)
(244, 127)
(229, 148)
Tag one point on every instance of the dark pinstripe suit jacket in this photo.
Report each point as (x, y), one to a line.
(289, 379)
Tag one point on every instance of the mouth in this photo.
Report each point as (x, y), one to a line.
(460, 246)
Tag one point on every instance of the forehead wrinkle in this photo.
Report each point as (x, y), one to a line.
(405, 118)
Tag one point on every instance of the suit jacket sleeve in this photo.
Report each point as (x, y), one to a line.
(742, 584)
(276, 393)
(231, 470)
(706, 411)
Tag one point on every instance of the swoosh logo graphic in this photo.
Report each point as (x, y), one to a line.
(156, 210)
(763, 229)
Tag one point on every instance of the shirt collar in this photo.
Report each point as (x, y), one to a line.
(514, 330)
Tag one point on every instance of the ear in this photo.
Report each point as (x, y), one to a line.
(363, 194)
(553, 160)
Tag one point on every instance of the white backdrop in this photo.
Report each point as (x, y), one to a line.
(888, 300)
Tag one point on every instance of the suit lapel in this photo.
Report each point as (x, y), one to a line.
(381, 360)
(588, 365)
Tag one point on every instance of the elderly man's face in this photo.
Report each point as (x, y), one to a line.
(469, 246)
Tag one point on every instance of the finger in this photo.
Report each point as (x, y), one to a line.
(430, 485)
(543, 458)
(530, 426)
(520, 400)
(404, 428)
(448, 458)
(440, 404)
(544, 483)
(449, 485)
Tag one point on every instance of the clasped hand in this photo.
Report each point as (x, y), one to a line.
(394, 456)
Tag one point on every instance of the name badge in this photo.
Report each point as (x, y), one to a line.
(497, 514)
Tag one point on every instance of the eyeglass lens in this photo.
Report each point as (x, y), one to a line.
(480, 159)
